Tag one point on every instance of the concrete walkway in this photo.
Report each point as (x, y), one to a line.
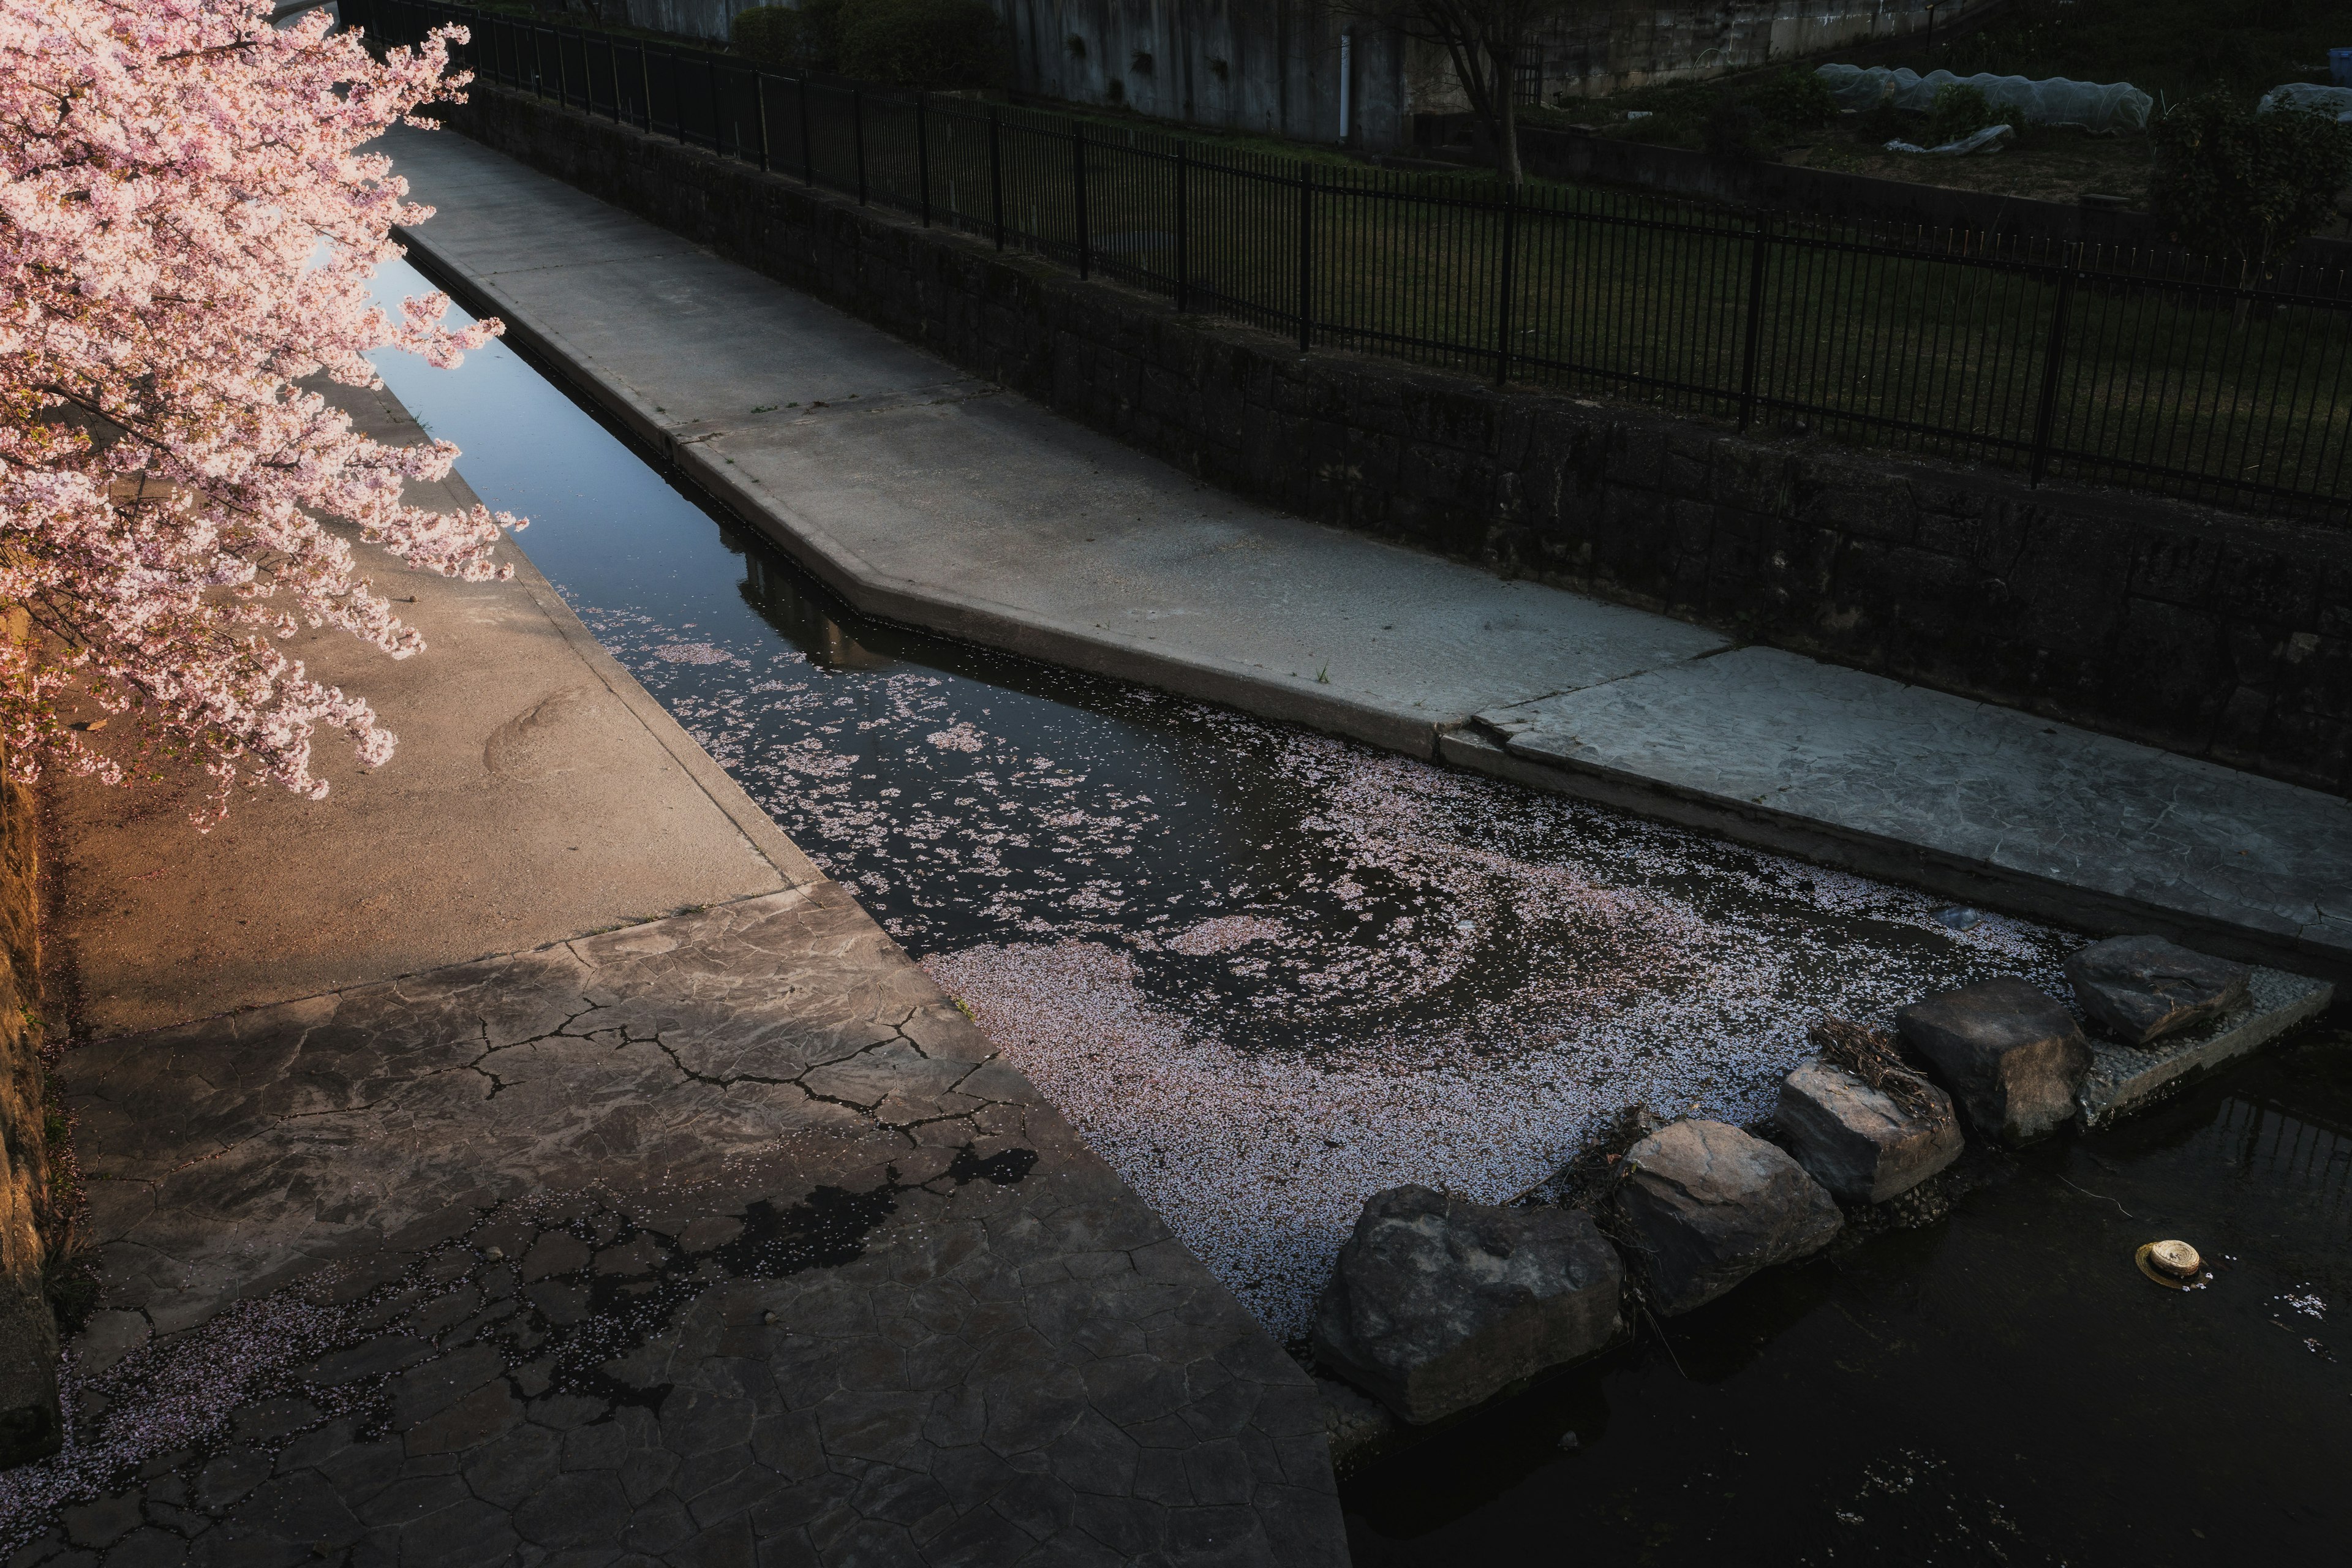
(924, 496)
(500, 1224)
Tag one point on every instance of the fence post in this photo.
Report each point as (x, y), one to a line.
(1306, 257)
(644, 86)
(1502, 300)
(1184, 233)
(678, 95)
(923, 154)
(2046, 417)
(1755, 321)
(562, 74)
(858, 124)
(808, 148)
(1079, 166)
(760, 111)
(996, 175)
(613, 69)
(718, 115)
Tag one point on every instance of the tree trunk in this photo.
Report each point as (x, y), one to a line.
(1507, 137)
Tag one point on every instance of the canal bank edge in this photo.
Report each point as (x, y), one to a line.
(2184, 627)
(2268, 908)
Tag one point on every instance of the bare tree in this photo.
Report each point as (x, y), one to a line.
(1486, 40)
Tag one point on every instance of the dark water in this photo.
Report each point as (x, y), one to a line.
(1999, 1386)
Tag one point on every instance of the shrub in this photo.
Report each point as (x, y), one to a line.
(753, 33)
(1755, 122)
(1795, 102)
(803, 38)
(1734, 128)
(2247, 185)
(1960, 111)
(921, 43)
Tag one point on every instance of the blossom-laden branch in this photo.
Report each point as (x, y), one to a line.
(189, 219)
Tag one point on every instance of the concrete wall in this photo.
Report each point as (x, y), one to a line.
(2216, 635)
(1274, 66)
(1270, 66)
(30, 1424)
(688, 18)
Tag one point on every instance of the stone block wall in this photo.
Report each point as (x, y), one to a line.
(2213, 635)
(29, 1425)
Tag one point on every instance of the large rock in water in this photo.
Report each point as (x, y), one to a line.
(2013, 1056)
(1713, 1205)
(2142, 987)
(1857, 1142)
(1438, 1303)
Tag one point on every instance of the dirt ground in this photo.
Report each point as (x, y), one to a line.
(2051, 163)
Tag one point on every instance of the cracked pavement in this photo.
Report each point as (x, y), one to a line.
(721, 1238)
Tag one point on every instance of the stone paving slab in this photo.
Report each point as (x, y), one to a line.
(2097, 831)
(538, 792)
(935, 501)
(921, 494)
(2125, 1078)
(721, 1238)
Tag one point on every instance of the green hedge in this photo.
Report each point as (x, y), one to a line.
(932, 43)
(2245, 184)
(806, 37)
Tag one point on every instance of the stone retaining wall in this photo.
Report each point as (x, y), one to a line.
(2216, 635)
(28, 1333)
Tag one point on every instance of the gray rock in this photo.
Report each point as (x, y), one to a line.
(2141, 987)
(1712, 1205)
(1438, 1303)
(1356, 1425)
(1857, 1142)
(2011, 1056)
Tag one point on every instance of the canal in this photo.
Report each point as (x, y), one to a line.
(1267, 972)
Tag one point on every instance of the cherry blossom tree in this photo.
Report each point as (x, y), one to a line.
(188, 222)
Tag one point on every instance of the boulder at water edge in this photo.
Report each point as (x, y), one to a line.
(1857, 1142)
(1712, 1205)
(1438, 1303)
(2013, 1056)
(2142, 987)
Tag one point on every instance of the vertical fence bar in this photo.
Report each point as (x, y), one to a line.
(808, 148)
(644, 88)
(923, 155)
(1306, 257)
(2046, 417)
(678, 95)
(1184, 232)
(996, 175)
(1502, 300)
(1755, 321)
(612, 69)
(760, 112)
(562, 75)
(1078, 190)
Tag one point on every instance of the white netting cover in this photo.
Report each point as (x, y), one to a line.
(2309, 100)
(2095, 106)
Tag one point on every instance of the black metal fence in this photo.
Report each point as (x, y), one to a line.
(2152, 369)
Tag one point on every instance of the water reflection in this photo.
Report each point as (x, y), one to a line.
(805, 622)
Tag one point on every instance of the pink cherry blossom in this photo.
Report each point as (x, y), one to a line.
(189, 215)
